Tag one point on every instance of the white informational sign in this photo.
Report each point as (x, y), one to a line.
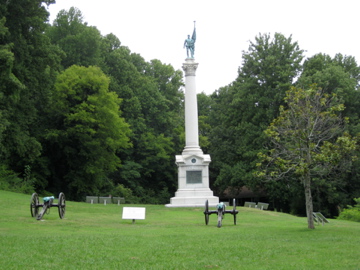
(133, 213)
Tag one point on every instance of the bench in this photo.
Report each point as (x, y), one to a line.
(262, 206)
(118, 200)
(250, 204)
(92, 199)
(105, 200)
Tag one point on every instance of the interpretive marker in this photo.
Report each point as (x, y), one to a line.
(133, 213)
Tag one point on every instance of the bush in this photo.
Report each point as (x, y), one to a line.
(121, 191)
(10, 181)
(352, 213)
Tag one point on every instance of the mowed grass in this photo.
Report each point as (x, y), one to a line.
(96, 237)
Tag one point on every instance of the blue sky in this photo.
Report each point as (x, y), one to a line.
(157, 29)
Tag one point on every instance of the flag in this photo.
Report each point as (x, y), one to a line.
(194, 35)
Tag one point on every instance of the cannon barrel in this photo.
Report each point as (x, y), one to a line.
(220, 211)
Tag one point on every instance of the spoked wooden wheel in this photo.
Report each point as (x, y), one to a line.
(34, 204)
(61, 205)
(206, 212)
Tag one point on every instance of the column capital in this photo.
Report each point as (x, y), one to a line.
(190, 67)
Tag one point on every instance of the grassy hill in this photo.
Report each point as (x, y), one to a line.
(96, 237)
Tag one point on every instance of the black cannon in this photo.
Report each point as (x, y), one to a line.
(48, 203)
(220, 211)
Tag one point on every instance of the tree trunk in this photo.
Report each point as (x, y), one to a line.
(309, 202)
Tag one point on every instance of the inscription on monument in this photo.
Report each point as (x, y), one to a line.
(193, 177)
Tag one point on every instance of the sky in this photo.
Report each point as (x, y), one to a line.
(157, 29)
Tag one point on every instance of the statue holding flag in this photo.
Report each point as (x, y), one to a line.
(190, 44)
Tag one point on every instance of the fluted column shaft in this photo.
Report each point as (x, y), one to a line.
(191, 109)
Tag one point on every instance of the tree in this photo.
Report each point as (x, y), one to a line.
(88, 131)
(152, 106)
(151, 102)
(27, 77)
(339, 75)
(7, 79)
(81, 43)
(307, 141)
(168, 81)
(243, 109)
(204, 108)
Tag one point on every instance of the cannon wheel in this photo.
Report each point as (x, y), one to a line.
(234, 210)
(206, 212)
(61, 205)
(34, 204)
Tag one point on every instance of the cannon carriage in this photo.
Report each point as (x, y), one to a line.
(48, 202)
(220, 211)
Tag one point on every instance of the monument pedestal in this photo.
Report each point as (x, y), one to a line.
(193, 182)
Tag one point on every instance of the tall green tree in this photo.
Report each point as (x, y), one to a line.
(152, 105)
(81, 43)
(205, 104)
(152, 102)
(88, 132)
(339, 75)
(246, 107)
(307, 142)
(7, 80)
(29, 72)
(168, 81)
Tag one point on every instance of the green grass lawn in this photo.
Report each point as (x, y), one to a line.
(96, 237)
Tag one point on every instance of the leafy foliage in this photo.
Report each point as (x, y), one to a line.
(87, 115)
(307, 141)
(10, 181)
(82, 44)
(88, 129)
(245, 108)
(29, 65)
(352, 212)
(339, 75)
(152, 105)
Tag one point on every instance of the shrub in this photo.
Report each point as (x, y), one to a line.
(121, 191)
(352, 213)
(10, 181)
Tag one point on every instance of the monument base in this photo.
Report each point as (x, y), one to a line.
(193, 198)
(193, 178)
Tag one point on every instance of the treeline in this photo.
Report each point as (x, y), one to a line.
(82, 114)
(241, 111)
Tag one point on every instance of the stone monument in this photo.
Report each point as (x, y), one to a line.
(193, 164)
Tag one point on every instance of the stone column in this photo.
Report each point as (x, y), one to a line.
(193, 165)
(191, 109)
